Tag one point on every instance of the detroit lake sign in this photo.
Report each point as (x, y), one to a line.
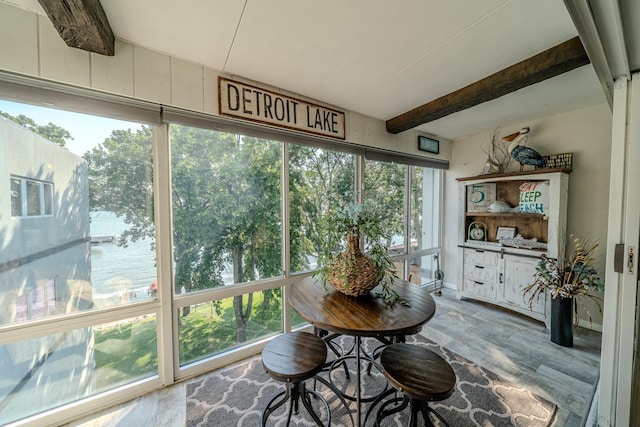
(260, 105)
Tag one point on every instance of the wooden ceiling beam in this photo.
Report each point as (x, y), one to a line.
(550, 63)
(81, 24)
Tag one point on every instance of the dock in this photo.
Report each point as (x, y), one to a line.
(103, 238)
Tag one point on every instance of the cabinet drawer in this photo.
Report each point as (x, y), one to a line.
(480, 273)
(486, 290)
(480, 257)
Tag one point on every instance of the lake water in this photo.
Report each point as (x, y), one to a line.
(117, 269)
(118, 273)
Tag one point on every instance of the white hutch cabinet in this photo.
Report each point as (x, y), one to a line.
(497, 272)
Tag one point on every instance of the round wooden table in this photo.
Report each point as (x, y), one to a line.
(364, 316)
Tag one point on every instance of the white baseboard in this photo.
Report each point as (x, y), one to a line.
(587, 325)
(450, 286)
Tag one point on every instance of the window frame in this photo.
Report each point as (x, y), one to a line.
(165, 306)
(44, 200)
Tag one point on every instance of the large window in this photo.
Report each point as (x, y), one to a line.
(227, 230)
(78, 237)
(215, 327)
(138, 253)
(424, 224)
(411, 196)
(64, 367)
(227, 204)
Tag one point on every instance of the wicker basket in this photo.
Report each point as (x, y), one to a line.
(352, 272)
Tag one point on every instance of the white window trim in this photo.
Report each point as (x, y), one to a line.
(42, 196)
(165, 307)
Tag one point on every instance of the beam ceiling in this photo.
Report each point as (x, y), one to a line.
(550, 63)
(81, 24)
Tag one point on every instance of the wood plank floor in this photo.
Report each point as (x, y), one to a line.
(512, 346)
(519, 349)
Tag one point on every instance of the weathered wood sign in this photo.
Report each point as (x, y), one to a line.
(260, 105)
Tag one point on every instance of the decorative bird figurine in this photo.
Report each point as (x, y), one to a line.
(521, 154)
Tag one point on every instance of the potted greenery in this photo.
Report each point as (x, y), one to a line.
(578, 278)
(352, 271)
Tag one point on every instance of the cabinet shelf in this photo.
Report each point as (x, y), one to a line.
(504, 249)
(490, 177)
(508, 215)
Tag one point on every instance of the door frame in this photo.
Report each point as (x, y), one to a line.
(618, 334)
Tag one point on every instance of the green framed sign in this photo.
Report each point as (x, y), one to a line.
(429, 145)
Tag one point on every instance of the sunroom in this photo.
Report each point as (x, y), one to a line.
(162, 191)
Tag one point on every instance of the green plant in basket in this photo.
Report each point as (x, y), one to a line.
(353, 271)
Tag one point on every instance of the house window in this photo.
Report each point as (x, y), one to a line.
(37, 302)
(31, 197)
(47, 200)
(34, 207)
(16, 197)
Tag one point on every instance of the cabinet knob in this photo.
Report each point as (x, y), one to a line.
(479, 266)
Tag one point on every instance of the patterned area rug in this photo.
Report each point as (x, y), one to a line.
(236, 396)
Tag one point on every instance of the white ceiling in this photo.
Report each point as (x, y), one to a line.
(380, 58)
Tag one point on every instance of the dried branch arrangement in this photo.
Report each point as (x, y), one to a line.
(578, 277)
(498, 157)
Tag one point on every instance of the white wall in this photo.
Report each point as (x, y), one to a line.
(587, 134)
(32, 47)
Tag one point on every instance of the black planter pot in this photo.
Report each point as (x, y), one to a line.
(562, 321)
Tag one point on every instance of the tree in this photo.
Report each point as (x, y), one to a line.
(226, 204)
(121, 180)
(317, 179)
(249, 206)
(52, 132)
(385, 184)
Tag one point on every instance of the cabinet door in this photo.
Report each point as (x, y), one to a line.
(518, 273)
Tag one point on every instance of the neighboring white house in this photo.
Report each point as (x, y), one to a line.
(45, 268)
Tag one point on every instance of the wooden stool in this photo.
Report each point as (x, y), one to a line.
(420, 375)
(292, 358)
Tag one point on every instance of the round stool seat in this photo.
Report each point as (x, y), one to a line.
(294, 357)
(418, 372)
(420, 375)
